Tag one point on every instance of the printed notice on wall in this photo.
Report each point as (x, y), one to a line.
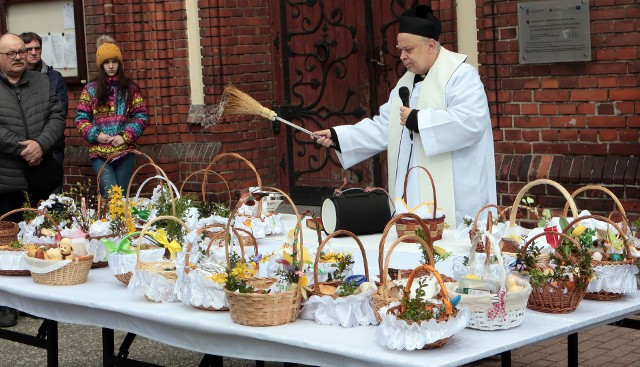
(554, 31)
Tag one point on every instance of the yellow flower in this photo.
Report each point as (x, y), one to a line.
(303, 281)
(247, 223)
(219, 278)
(578, 230)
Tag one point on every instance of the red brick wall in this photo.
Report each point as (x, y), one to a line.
(235, 48)
(576, 123)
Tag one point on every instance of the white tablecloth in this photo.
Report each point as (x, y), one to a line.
(103, 301)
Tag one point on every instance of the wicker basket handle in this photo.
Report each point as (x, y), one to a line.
(433, 187)
(608, 221)
(204, 184)
(247, 162)
(164, 177)
(603, 189)
(443, 290)
(339, 232)
(388, 228)
(145, 229)
(51, 220)
(387, 259)
(187, 268)
(542, 181)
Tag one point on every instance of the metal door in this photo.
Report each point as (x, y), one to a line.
(334, 63)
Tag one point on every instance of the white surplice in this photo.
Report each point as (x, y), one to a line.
(462, 128)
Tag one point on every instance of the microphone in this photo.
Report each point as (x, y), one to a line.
(404, 94)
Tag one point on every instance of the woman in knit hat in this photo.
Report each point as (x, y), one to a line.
(111, 115)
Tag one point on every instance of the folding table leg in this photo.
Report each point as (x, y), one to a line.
(505, 358)
(572, 349)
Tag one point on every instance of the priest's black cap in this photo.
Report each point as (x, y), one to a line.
(421, 22)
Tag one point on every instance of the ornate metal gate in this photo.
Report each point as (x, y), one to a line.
(334, 63)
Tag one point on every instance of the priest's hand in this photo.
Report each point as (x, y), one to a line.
(404, 114)
(324, 138)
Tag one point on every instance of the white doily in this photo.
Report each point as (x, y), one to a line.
(398, 334)
(124, 263)
(96, 248)
(460, 270)
(196, 290)
(39, 266)
(614, 279)
(354, 310)
(11, 260)
(260, 227)
(153, 286)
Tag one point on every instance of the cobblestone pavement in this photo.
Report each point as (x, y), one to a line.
(81, 346)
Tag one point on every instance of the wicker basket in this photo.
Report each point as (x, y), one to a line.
(166, 270)
(6, 228)
(603, 295)
(254, 309)
(435, 225)
(383, 297)
(219, 238)
(504, 310)
(450, 312)
(75, 272)
(8, 231)
(562, 297)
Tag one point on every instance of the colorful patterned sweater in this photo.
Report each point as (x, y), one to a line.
(119, 119)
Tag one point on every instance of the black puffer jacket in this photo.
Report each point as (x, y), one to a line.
(29, 110)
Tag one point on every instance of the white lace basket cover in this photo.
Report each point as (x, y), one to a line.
(397, 334)
(195, 288)
(504, 310)
(96, 248)
(614, 278)
(40, 266)
(120, 263)
(12, 260)
(153, 286)
(349, 311)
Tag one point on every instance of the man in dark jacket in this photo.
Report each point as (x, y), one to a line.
(31, 121)
(33, 44)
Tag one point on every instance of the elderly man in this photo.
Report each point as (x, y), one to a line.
(33, 44)
(31, 121)
(442, 123)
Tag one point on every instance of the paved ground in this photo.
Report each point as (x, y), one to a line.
(80, 346)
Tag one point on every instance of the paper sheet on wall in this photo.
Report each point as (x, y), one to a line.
(67, 15)
(58, 47)
(70, 54)
(47, 49)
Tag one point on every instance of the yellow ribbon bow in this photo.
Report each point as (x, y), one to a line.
(161, 237)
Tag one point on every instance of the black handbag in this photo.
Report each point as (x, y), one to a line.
(45, 177)
(357, 211)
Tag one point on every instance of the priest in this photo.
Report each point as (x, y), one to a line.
(443, 124)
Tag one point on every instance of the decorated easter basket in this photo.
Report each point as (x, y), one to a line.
(122, 262)
(562, 296)
(542, 258)
(387, 293)
(195, 289)
(11, 258)
(446, 320)
(329, 308)
(258, 309)
(613, 278)
(504, 310)
(155, 280)
(409, 226)
(610, 275)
